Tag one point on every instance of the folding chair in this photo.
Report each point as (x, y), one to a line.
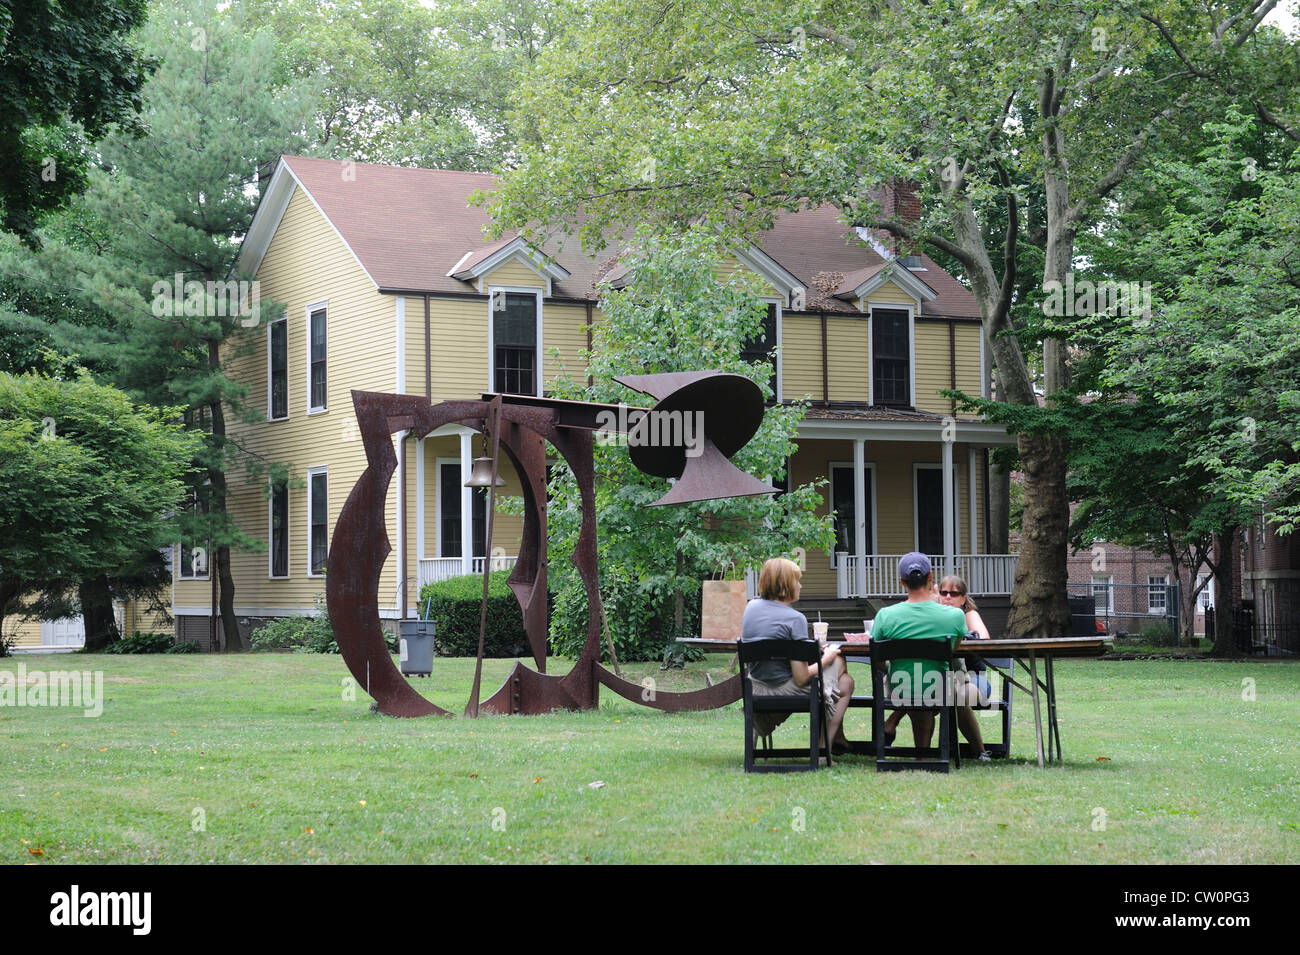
(938, 650)
(814, 704)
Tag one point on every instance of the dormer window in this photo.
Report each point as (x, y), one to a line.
(891, 362)
(514, 342)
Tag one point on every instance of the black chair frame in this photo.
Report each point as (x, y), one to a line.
(938, 650)
(814, 704)
(1003, 666)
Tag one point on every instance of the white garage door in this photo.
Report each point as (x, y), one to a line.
(68, 632)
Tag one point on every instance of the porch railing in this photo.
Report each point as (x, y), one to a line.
(441, 568)
(876, 575)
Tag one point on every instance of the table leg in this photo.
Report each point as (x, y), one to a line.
(1053, 725)
(1038, 715)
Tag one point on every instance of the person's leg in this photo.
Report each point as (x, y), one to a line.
(966, 721)
(922, 727)
(844, 689)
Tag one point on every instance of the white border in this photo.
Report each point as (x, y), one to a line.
(311, 473)
(321, 306)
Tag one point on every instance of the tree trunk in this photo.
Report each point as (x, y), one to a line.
(97, 613)
(9, 589)
(230, 638)
(1038, 601)
(1227, 601)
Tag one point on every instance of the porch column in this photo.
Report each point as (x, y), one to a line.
(419, 506)
(466, 503)
(971, 498)
(860, 514)
(949, 518)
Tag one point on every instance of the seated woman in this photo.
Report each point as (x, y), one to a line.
(770, 616)
(969, 687)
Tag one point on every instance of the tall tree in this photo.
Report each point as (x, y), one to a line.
(86, 482)
(670, 114)
(164, 212)
(411, 83)
(674, 315)
(67, 71)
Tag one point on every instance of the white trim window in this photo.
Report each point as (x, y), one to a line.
(317, 520)
(277, 369)
(317, 383)
(1103, 593)
(842, 509)
(892, 344)
(1157, 593)
(515, 334)
(277, 531)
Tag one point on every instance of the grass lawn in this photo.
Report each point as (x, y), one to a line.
(1165, 762)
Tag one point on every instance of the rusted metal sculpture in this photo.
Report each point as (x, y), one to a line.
(732, 407)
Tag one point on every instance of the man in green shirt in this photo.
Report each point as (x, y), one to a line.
(921, 618)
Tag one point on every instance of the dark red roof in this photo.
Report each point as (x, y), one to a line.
(409, 227)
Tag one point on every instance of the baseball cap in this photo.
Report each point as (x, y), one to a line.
(914, 566)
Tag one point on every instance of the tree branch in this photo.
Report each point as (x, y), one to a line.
(939, 242)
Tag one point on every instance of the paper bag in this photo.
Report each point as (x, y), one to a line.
(721, 608)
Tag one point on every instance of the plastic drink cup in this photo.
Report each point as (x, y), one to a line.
(866, 627)
(821, 629)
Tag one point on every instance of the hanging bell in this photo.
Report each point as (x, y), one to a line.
(481, 475)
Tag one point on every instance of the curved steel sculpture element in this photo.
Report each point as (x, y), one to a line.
(360, 543)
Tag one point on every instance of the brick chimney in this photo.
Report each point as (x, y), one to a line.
(902, 203)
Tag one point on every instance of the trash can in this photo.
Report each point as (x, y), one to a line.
(1083, 615)
(416, 646)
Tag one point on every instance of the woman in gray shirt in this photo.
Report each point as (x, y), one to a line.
(771, 617)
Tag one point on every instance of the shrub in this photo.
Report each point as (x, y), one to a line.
(1159, 634)
(454, 606)
(7, 645)
(300, 634)
(147, 643)
(640, 621)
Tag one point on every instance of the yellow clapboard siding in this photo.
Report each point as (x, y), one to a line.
(460, 348)
(933, 367)
(564, 329)
(887, 294)
(730, 265)
(307, 263)
(801, 356)
(514, 273)
(847, 359)
(969, 372)
(894, 464)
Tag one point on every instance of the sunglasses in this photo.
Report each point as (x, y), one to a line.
(951, 593)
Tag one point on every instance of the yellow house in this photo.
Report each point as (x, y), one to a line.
(390, 286)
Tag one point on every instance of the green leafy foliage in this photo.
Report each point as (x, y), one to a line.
(150, 643)
(455, 606)
(674, 315)
(86, 480)
(70, 71)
